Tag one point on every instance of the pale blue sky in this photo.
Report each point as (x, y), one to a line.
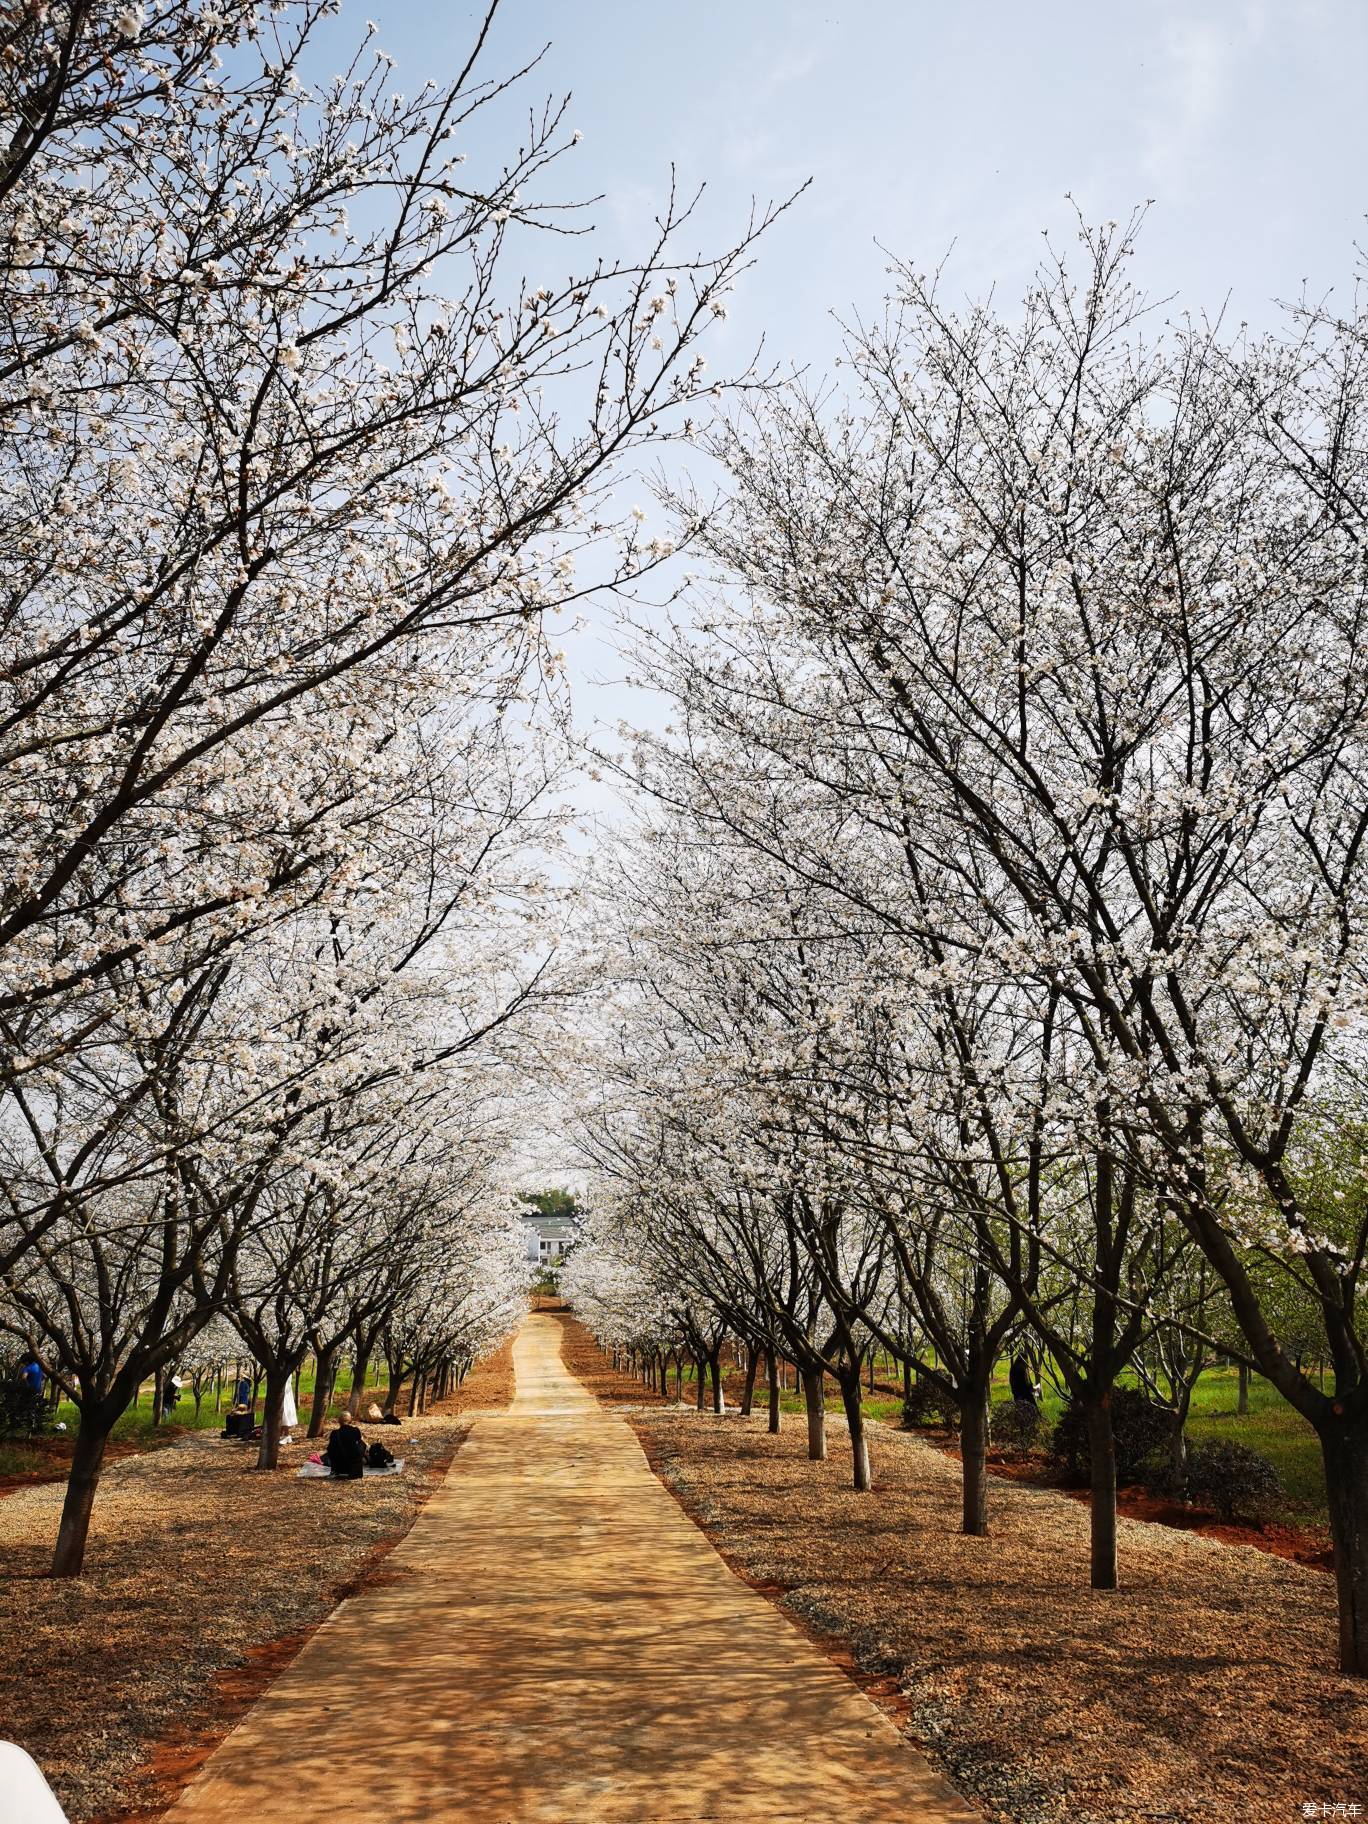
(924, 124)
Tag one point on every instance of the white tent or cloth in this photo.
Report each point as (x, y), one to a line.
(25, 1796)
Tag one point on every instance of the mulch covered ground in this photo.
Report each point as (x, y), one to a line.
(1202, 1689)
(203, 1578)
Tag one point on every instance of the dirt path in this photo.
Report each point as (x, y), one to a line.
(555, 1641)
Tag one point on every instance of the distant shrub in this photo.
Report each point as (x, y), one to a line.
(925, 1404)
(1016, 1424)
(1235, 1481)
(1139, 1432)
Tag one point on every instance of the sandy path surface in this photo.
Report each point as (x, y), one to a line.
(555, 1641)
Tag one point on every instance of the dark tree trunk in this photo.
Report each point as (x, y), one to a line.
(157, 1389)
(1102, 1461)
(1344, 1447)
(815, 1396)
(701, 1389)
(772, 1372)
(752, 1369)
(323, 1377)
(861, 1479)
(719, 1401)
(1177, 1455)
(358, 1386)
(1242, 1403)
(974, 1423)
(84, 1478)
(268, 1452)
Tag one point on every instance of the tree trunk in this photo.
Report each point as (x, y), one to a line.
(719, 1401)
(815, 1396)
(861, 1480)
(268, 1452)
(752, 1369)
(772, 1371)
(701, 1388)
(1242, 1403)
(1102, 1462)
(358, 1386)
(1177, 1457)
(84, 1478)
(323, 1375)
(1344, 1447)
(157, 1397)
(974, 1424)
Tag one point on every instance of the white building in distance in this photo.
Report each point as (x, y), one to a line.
(548, 1238)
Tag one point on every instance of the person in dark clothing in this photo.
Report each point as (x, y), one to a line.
(346, 1452)
(1019, 1379)
(28, 1396)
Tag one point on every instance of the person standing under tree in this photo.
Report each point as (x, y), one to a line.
(1024, 1388)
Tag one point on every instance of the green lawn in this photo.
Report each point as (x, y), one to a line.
(136, 1425)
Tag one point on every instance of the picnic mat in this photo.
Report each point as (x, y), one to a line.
(321, 1469)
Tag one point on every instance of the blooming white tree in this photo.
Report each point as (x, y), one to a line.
(1076, 619)
(292, 472)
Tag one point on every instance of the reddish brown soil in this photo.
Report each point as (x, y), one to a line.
(56, 1453)
(1299, 1545)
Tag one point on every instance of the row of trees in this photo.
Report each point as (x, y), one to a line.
(294, 462)
(990, 948)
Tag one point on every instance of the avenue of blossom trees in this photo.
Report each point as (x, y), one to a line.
(988, 951)
(295, 461)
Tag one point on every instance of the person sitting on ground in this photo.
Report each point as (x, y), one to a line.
(346, 1452)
